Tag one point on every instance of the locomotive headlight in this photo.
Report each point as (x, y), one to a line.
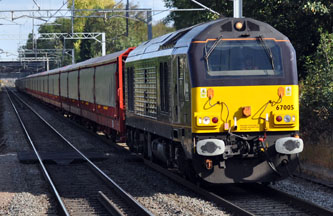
(239, 26)
(284, 119)
(287, 118)
(206, 120)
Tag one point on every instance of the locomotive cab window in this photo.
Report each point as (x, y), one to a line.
(243, 58)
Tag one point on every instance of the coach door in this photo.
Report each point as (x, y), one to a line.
(180, 89)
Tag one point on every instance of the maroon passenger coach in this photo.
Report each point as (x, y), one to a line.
(92, 89)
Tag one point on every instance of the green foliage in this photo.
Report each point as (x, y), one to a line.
(84, 25)
(315, 8)
(88, 4)
(299, 20)
(186, 19)
(160, 29)
(317, 94)
(116, 38)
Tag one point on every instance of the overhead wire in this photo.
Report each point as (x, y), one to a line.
(64, 3)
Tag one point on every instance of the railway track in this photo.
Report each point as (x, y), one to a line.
(242, 200)
(79, 188)
(253, 199)
(326, 184)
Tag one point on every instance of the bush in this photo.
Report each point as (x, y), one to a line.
(317, 93)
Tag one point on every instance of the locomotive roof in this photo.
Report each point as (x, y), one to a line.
(85, 64)
(179, 42)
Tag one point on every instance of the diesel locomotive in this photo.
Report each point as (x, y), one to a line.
(218, 101)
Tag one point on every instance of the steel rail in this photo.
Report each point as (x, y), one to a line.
(126, 196)
(298, 201)
(301, 203)
(322, 183)
(208, 195)
(45, 172)
(112, 209)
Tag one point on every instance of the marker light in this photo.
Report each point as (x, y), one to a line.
(246, 111)
(206, 120)
(210, 93)
(278, 118)
(281, 92)
(287, 118)
(215, 120)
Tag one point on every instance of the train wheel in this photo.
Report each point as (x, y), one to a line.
(191, 175)
(136, 141)
(129, 138)
(149, 147)
(111, 134)
(185, 166)
(145, 145)
(114, 136)
(180, 161)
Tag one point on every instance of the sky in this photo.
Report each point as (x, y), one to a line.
(14, 33)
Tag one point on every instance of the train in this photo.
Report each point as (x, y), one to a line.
(218, 101)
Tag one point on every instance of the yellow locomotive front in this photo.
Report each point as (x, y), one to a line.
(245, 111)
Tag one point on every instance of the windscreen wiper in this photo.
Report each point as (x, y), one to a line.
(211, 49)
(267, 50)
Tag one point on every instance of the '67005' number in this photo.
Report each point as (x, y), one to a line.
(285, 107)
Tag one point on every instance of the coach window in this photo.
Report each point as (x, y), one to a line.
(164, 86)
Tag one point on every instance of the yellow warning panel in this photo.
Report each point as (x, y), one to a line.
(203, 92)
(288, 90)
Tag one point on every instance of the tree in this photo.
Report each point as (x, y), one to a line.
(80, 23)
(115, 30)
(161, 28)
(317, 94)
(301, 24)
(186, 19)
(116, 37)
